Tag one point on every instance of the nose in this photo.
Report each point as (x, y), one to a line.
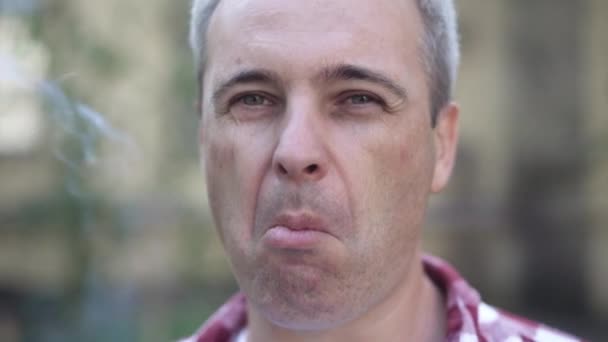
(300, 155)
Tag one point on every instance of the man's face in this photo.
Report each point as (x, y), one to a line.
(319, 152)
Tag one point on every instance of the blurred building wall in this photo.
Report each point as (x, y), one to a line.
(595, 100)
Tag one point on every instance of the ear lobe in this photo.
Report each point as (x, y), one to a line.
(445, 137)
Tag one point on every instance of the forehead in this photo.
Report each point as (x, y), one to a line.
(310, 33)
(326, 14)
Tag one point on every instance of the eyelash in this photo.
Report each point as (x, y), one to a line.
(371, 98)
(241, 98)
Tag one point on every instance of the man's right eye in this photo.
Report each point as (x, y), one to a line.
(254, 100)
(250, 105)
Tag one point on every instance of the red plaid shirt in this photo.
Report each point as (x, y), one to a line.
(468, 318)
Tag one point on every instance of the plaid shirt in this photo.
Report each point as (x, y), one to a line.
(468, 318)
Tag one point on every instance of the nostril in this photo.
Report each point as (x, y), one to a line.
(312, 168)
(282, 169)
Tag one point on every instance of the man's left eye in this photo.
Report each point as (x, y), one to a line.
(361, 99)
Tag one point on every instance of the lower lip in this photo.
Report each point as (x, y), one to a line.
(285, 238)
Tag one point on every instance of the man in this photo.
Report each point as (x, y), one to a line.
(325, 126)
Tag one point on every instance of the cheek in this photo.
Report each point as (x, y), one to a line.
(217, 159)
(235, 164)
(219, 155)
(392, 211)
(397, 184)
(409, 181)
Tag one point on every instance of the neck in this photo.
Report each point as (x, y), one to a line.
(414, 311)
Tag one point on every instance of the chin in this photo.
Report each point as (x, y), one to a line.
(303, 299)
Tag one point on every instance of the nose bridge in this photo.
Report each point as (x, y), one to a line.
(300, 154)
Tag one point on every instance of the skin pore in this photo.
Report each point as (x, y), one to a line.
(316, 115)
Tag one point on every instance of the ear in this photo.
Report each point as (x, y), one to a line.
(445, 137)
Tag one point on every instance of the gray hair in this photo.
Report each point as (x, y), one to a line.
(440, 45)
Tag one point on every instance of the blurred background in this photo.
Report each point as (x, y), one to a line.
(105, 233)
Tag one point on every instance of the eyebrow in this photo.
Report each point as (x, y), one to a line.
(347, 72)
(244, 77)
